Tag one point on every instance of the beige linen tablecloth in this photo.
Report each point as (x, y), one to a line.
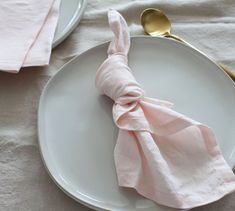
(24, 182)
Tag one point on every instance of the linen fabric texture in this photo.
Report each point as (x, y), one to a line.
(27, 30)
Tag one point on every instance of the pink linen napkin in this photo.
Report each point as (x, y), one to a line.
(27, 30)
(164, 155)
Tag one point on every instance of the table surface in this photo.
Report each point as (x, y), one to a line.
(24, 182)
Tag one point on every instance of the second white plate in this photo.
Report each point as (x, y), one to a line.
(71, 12)
(76, 131)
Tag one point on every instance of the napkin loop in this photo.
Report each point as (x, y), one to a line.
(119, 27)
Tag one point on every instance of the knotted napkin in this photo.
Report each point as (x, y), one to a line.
(27, 29)
(164, 155)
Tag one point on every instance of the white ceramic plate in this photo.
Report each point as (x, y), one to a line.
(76, 131)
(71, 12)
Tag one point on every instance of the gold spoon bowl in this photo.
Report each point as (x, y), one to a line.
(156, 23)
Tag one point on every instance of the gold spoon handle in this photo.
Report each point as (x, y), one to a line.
(230, 73)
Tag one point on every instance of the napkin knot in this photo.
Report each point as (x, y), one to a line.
(114, 79)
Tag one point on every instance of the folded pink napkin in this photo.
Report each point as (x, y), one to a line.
(164, 155)
(27, 29)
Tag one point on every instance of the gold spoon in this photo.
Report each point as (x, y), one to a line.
(156, 23)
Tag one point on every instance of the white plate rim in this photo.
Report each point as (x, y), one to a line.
(76, 19)
(84, 200)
